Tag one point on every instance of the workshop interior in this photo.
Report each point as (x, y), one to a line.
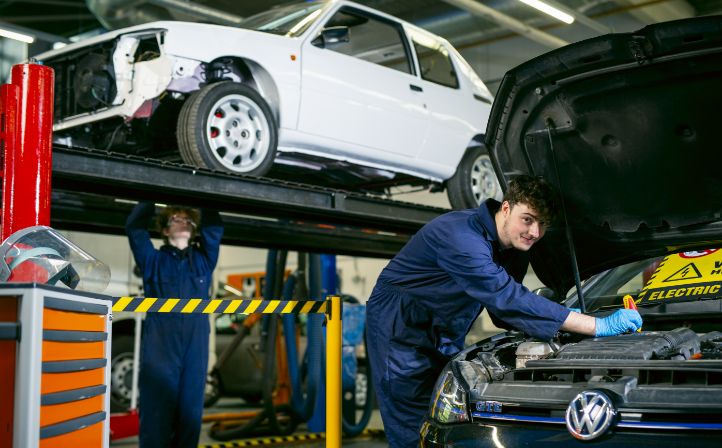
(292, 223)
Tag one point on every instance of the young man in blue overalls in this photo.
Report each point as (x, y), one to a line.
(430, 293)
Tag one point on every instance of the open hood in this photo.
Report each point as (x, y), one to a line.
(629, 128)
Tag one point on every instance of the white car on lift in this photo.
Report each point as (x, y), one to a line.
(329, 92)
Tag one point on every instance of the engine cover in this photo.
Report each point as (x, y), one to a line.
(680, 343)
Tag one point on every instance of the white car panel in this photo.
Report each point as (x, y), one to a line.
(302, 143)
(354, 101)
(326, 104)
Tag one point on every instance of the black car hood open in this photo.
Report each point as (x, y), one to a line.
(629, 127)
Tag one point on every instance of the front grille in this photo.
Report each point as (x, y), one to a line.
(679, 378)
(549, 375)
(660, 396)
(671, 421)
(645, 377)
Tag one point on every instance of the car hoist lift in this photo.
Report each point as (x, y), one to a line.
(259, 212)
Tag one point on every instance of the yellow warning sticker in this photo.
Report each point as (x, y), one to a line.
(684, 277)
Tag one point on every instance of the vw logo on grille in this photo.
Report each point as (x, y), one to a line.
(590, 414)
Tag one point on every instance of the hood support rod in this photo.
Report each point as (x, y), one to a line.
(567, 227)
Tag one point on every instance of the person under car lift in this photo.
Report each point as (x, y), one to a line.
(174, 350)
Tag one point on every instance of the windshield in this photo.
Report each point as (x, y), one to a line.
(291, 20)
(682, 277)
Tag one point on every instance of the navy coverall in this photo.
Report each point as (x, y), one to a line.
(426, 300)
(174, 348)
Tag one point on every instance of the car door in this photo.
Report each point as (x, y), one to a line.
(361, 92)
(455, 116)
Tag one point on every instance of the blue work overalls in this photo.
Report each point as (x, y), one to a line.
(174, 346)
(426, 300)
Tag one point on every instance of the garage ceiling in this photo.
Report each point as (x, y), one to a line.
(491, 44)
(72, 17)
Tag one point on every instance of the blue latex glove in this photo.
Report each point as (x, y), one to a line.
(576, 310)
(621, 321)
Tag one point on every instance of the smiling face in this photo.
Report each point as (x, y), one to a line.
(519, 226)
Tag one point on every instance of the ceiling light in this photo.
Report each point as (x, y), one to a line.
(552, 11)
(17, 36)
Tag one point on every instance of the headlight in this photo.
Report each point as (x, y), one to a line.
(448, 402)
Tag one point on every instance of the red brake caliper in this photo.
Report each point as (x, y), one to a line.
(216, 131)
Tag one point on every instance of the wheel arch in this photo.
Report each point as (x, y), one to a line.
(478, 139)
(251, 73)
(475, 179)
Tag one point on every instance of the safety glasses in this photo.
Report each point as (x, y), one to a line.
(179, 219)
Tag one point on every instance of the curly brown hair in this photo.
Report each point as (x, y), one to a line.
(536, 193)
(164, 216)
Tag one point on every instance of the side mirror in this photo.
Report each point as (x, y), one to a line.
(332, 35)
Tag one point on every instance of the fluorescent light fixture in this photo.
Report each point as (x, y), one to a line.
(17, 36)
(548, 9)
(58, 45)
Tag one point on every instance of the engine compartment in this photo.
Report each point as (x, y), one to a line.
(680, 343)
(638, 369)
(511, 356)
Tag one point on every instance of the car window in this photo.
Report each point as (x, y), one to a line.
(291, 20)
(434, 61)
(371, 39)
(608, 288)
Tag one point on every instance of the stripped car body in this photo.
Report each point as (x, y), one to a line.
(315, 86)
(601, 119)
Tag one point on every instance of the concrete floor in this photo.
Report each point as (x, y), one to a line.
(233, 405)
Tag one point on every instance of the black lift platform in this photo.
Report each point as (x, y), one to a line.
(90, 186)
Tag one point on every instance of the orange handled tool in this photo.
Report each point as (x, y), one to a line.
(630, 305)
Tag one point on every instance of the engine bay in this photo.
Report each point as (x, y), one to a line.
(570, 358)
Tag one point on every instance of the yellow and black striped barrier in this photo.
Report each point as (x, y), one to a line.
(292, 439)
(331, 307)
(268, 441)
(218, 306)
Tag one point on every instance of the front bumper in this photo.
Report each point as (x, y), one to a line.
(500, 434)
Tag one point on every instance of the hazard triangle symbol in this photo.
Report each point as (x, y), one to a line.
(687, 272)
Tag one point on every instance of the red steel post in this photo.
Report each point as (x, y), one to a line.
(28, 164)
(26, 125)
(9, 99)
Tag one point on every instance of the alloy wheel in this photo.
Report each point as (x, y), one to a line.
(238, 133)
(484, 183)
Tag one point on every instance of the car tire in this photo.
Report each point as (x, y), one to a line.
(228, 126)
(121, 373)
(474, 180)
